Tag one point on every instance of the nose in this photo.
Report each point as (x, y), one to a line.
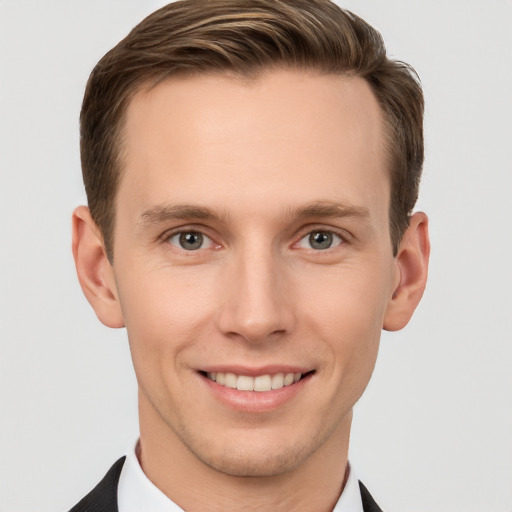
(256, 303)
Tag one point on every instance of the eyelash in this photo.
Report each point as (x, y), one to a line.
(169, 236)
(331, 233)
(338, 239)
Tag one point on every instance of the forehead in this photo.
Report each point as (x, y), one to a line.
(299, 133)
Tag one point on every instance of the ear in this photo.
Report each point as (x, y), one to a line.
(411, 273)
(94, 270)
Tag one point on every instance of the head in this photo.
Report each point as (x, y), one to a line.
(251, 167)
(245, 38)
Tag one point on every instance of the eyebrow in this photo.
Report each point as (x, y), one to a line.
(163, 213)
(330, 209)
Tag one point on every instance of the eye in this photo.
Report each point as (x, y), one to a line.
(190, 241)
(320, 240)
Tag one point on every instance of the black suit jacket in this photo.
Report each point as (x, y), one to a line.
(103, 498)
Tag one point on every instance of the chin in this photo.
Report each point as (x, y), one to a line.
(255, 454)
(248, 463)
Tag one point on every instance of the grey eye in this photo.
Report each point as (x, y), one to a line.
(190, 240)
(320, 240)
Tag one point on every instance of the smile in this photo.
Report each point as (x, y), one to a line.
(255, 391)
(259, 383)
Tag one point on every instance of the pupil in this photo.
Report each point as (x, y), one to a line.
(191, 241)
(320, 240)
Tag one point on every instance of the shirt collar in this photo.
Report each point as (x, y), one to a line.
(136, 492)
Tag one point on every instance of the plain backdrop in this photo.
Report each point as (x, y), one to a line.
(433, 432)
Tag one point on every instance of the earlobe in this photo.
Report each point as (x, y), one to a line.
(95, 272)
(412, 269)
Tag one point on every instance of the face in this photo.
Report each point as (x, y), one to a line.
(253, 262)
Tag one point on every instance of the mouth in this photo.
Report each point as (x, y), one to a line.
(259, 383)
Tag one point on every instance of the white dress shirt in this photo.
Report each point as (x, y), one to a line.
(136, 493)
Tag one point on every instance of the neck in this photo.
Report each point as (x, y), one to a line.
(314, 484)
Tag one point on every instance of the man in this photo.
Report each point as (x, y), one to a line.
(251, 167)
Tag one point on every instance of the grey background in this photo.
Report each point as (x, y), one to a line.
(434, 429)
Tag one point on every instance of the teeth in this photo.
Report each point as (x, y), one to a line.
(259, 383)
(230, 380)
(288, 379)
(245, 383)
(262, 383)
(277, 381)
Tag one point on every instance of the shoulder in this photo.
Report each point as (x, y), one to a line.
(103, 498)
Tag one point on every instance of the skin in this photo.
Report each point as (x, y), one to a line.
(255, 167)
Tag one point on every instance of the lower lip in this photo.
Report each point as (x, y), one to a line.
(255, 401)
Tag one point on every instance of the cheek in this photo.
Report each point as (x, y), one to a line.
(347, 315)
(352, 296)
(164, 312)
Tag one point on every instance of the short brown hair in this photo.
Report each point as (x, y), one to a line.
(246, 37)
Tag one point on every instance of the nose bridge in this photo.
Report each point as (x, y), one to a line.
(256, 304)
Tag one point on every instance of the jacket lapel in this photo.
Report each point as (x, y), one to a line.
(103, 498)
(369, 504)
